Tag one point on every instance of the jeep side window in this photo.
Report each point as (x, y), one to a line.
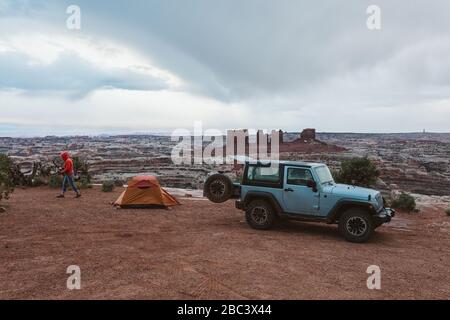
(263, 174)
(298, 176)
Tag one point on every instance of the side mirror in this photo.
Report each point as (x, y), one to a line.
(312, 184)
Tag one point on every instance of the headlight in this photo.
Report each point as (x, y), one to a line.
(380, 201)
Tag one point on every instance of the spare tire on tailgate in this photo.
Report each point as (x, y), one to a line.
(218, 188)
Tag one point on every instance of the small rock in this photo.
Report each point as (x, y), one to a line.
(2, 209)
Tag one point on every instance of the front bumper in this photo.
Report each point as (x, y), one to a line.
(385, 215)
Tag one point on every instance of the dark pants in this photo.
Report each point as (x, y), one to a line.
(69, 180)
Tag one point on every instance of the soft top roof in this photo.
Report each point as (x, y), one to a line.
(285, 162)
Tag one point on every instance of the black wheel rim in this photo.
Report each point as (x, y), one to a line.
(356, 226)
(217, 189)
(259, 215)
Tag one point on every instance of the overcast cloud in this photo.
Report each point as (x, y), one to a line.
(141, 66)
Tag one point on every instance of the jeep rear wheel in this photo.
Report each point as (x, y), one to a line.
(356, 225)
(218, 188)
(260, 215)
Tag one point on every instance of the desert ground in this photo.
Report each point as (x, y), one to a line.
(201, 250)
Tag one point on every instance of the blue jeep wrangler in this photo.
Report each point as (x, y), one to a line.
(301, 191)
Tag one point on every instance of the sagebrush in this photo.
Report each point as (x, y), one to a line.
(357, 171)
(108, 186)
(6, 178)
(404, 202)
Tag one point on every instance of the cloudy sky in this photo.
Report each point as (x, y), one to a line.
(149, 66)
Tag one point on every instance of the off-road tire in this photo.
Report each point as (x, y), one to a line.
(260, 215)
(218, 188)
(356, 225)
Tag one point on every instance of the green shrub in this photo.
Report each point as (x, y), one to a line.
(447, 211)
(108, 186)
(336, 175)
(84, 183)
(404, 202)
(55, 181)
(357, 171)
(39, 181)
(81, 168)
(118, 182)
(6, 177)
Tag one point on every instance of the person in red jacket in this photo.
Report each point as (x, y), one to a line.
(68, 173)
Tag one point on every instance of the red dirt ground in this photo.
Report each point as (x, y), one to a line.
(202, 250)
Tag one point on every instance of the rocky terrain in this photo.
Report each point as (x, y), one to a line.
(412, 162)
(202, 250)
(111, 157)
(415, 162)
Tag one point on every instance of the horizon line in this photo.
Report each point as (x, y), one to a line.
(167, 134)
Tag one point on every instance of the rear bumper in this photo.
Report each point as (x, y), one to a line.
(239, 205)
(385, 215)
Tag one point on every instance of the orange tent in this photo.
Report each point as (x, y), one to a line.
(145, 191)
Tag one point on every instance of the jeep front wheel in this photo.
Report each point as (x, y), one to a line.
(356, 225)
(260, 215)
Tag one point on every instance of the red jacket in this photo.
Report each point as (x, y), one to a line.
(68, 164)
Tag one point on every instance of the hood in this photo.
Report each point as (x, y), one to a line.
(65, 155)
(349, 191)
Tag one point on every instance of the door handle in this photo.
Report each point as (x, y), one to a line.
(289, 190)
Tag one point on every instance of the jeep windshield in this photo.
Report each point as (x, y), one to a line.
(324, 175)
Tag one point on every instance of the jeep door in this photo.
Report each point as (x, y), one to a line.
(297, 196)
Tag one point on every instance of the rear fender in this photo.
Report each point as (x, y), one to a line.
(236, 190)
(253, 195)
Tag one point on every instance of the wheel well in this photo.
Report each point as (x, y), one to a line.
(272, 202)
(346, 206)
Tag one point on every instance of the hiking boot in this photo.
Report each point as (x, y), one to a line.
(78, 195)
(60, 196)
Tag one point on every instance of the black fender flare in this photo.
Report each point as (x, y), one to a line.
(253, 195)
(343, 205)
